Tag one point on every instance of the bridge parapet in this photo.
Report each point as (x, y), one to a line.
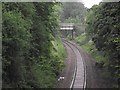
(65, 27)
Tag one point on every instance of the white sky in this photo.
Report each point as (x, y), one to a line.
(90, 3)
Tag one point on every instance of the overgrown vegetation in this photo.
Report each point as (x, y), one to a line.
(89, 47)
(103, 36)
(32, 54)
(104, 30)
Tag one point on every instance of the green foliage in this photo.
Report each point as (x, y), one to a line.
(44, 76)
(31, 49)
(74, 10)
(89, 18)
(16, 38)
(90, 48)
(103, 26)
(58, 52)
(81, 39)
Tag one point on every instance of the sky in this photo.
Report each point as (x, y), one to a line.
(87, 3)
(90, 3)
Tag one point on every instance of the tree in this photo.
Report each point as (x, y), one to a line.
(74, 12)
(104, 30)
(29, 55)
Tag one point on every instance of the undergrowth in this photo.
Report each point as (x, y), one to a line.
(90, 48)
(47, 70)
(98, 56)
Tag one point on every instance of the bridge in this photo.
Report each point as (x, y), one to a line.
(66, 28)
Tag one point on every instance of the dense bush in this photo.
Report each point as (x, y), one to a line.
(104, 28)
(30, 56)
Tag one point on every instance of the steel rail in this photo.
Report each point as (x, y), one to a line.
(75, 68)
(69, 43)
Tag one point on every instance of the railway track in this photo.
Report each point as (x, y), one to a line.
(79, 76)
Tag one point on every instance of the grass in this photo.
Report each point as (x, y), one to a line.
(90, 48)
(81, 40)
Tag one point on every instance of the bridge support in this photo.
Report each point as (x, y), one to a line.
(67, 27)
